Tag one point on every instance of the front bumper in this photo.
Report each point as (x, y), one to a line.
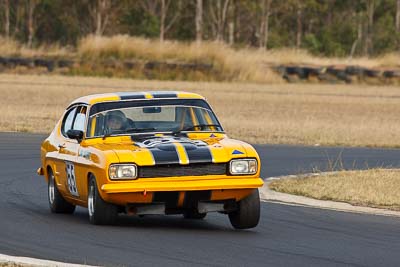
(40, 171)
(181, 185)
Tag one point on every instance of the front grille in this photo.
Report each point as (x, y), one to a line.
(182, 170)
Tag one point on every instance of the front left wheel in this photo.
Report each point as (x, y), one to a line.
(247, 214)
(100, 212)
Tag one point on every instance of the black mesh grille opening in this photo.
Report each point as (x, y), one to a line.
(182, 170)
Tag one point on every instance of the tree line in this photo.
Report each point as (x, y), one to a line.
(323, 27)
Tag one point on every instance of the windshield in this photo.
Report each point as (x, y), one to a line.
(152, 119)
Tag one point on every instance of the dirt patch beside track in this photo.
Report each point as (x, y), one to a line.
(314, 190)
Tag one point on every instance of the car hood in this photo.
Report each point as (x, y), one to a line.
(160, 150)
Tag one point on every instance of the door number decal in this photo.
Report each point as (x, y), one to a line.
(71, 179)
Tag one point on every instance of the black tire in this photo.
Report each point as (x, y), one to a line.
(194, 214)
(248, 213)
(56, 202)
(100, 212)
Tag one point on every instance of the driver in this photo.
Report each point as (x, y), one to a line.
(115, 120)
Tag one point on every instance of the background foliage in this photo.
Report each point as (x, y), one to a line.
(323, 27)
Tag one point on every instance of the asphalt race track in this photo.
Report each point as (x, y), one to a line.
(286, 236)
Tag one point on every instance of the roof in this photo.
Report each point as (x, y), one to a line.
(93, 99)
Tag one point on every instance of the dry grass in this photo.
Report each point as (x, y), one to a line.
(242, 65)
(123, 46)
(373, 188)
(246, 64)
(9, 47)
(12, 264)
(299, 57)
(291, 114)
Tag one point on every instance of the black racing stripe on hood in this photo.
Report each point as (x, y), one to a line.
(198, 154)
(128, 95)
(165, 154)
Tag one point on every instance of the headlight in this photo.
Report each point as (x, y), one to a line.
(243, 166)
(122, 171)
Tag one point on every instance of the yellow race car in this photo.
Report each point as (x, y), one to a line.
(144, 153)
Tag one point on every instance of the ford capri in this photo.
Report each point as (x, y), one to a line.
(149, 153)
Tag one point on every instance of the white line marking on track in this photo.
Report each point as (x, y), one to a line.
(36, 262)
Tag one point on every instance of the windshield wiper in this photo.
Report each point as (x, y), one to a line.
(201, 126)
(107, 134)
(129, 130)
(139, 130)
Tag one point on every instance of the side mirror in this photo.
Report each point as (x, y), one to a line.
(75, 134)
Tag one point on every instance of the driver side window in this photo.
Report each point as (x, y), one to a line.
(68, 121)
(74, 119)
(80, 119)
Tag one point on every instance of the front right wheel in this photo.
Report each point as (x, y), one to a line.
(247, 214)
(56, 201)
(100, 212)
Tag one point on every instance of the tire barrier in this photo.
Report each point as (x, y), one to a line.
(391, 74)
(53, 64)
(197, 71)
(47, 63)
(337, 74)
(130, 65)
(63, 63)
(159, 65)
(3, 61)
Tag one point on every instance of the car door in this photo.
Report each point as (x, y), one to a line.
(62, 140)
(68, 152)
